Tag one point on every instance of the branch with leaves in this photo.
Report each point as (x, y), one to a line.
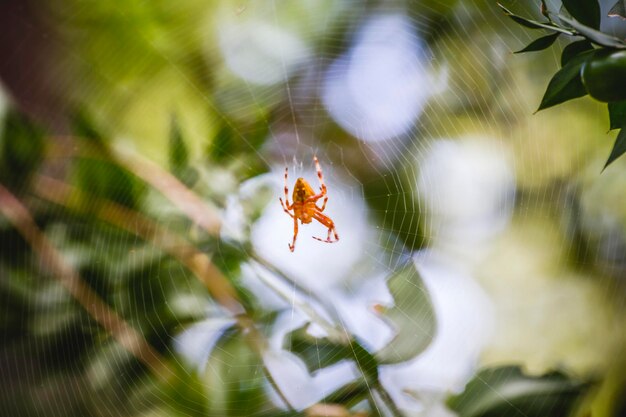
(98, 212)
(594, 63)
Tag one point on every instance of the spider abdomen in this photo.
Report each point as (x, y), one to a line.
(304, 212)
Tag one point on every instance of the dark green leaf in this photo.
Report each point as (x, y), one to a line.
(367, 363)
(84, 128)
(532, 24)
(101, 177)
(106, 180)
(223, 144)
(617, 115)
(230, 142)
(541, 43)
(318, 353)
(178, 154)
(182, 394)
(618, 148)
(234, 378)
(618, 9)
(349, 394)
(574, 49)
(412, 316)
(593, 35)
(22, 149)
(566, 84)
(508, 392)
(586, 12)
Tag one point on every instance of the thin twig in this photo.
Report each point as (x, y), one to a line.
(200, 212)
(197, 262)
(387, 400)
(51, 258)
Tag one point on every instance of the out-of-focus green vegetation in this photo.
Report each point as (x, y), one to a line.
(595, 65)
(117, 239)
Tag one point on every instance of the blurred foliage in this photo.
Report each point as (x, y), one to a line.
(150, 286)
(150, 77)
(412, 317)
(21, 149)
(507, 391)
(597, 71)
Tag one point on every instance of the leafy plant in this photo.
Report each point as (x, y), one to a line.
(595, 65)
(132, 255)
(507, 391)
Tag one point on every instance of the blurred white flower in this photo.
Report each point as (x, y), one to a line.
(245, 206)
(380, 86)
(233, 220)
(468, 187)
(259, 52)
(355, 307)
(314, 265)
(196, 343)
(300, 388)
(465, 323)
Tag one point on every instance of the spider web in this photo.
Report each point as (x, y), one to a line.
(447, 176)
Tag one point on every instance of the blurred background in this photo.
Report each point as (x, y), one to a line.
(144, 266)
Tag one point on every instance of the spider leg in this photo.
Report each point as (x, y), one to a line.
(286, 189)
(326, 221)
(322, 185)
(323, 204)
(320, 176)
(292, 246)
(285, 208)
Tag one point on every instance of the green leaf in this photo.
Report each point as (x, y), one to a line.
(85, 129)
(318, 353)
(412, 316)
(574, 49)
(230, 142)
(618, 148)
(617, 115)
(566, 84)
(618, 9)
(223, 144)
(586, 12)
(507, 391)
(349, 394)
(182, 394)
(594, 35)
(178, 154)
(101, 177)
(234, 378)
(541, 43)
(532, 24)
(106, 180)
(22, 148)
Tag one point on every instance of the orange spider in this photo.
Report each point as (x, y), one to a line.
(305, 208)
